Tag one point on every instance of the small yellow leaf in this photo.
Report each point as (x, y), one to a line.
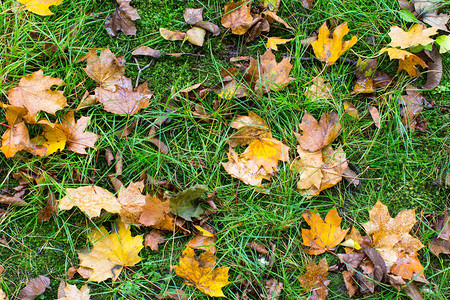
(351, 243)
(272, 42)
(54, 138)
(40, 7)
(201, 272)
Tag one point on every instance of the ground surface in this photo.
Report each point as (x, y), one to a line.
(401, 169)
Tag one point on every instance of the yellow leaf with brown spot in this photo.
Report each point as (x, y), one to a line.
(409, 65)
(417, 35)
(111, 252)
(90, 199)
(324, 235)
(237, 17)
(273, 42)
(40, 7)
(201, 272)
(329, 49)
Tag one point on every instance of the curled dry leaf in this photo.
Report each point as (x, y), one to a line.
(13, 113)
(147, 51)
(329, 50)
(34, 93)
(107, 70)
(249, 128)
(411, 105)
(351, 110)
(201, 272)
(324, 235)
(315, 279)
(434, 74)
(172, 35)
(318, 134)
(91, 200)
(50, 208)
(193, 15)
(237, 17)
(40, 7)
(34, 288)
(12, 200)
(417, 35)
(111, 252)
(122, 19)
(441, 243)
(268, 75)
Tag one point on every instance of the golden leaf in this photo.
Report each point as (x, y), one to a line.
(329, 50)
(237, 17)
(131, 200)
(53, 138)
(416, 36)
(249, 128)
(91, 200)
(315, 279)
(272, 42)
(409, 65)
(111, 252)
(40, 7)
(71, 292)
(324, 235)
(201, 272)
(17, 138)
(266, 153)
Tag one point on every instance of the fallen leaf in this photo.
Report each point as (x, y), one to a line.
(77, 138)
(71, 292)
(319, 90)
(249, 128)
(91, 200)
(307, 3)
(50, 208)
(417, 35)
(237, 17)
(434, 74)
(16, 139)
(203, 240)
(268, 75)
(315, 279)
(111, 252)
(427, 11)
(317, 135)
(258, 247)
(122, 19)
(201, 272)
(411, 105)
(329, 50)
(208, 26)
(375, 116)
(410, 289)
(53, 138)
(107, 70)
(365, 71)
(273, 42)
(266, 153)
(3, 295)
(273, 289)
(144, 50)
(131, 201)
(34, 288)
(34, 93)
(40, 7)
(408, 267)
(441, 243)
(172, 35)
(350, 284)
(193, 15)
(12, 200)
(196, 36)
(351, 110)
(273, 16)
(187, 203)
(409, 65)
(156, 214)
(86, 101)
(14, 114)
(153, 239)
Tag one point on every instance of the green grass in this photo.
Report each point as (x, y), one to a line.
(399, 167)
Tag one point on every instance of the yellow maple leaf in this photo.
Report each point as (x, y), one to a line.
(40, 7)
(329, 50)
(324, 235)
(272, 42)
(54, 138)
(111, 252)
(417, 35)
(266, 153)
(201, 272)
(90, 199)
(315, 279)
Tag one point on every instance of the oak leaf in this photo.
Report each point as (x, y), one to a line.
(40, 7)
(201, 272)
(106, 69)
(131, 201)
(111, 252)
(324, 235)
(71, 292)
(416, 36)
(318, 134)
(390, 236)
(156, 213)
(34, 93)
(329, 50)
(122, 19)
(237, 17)
(268, 75)
(17, 138)
(91, 200)
(77, 138)
(315, 279)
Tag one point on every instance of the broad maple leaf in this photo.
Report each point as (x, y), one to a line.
(107, 70)
(390, 236)
(417, 35)
(237, 17)
(153, 239)
(324, 235)
(14, 114)
(268, 75)
(34, 93)
(317, 135)
(131, 200)
(266, 153)
(201, 272)
(77, 138)
(329, 49)
(156, 213)
(53, 138)
(122, 19)
(71, 292)
(111, 252)
(40, 7)
(17, 138)
(315, 279)
(91, 200)
(409, 65)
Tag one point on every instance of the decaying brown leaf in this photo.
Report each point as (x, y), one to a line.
(122, 19)
(131, 201)
(237, 17)
(50, 208)
(434, 73)
(273, 289)
(375, 114)
(156, 213)
(427, 11)
(324, 235)
(144, 50)
(201, 272)
(77, 138)
(153, 239)
(411, 105)
(441, 243)
(320, 89)
(329, 49)
(315, 279)
(34, 93)
(203, 240)
(351, 110)
(34, 288)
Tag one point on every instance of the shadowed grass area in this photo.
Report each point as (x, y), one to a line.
(398, 167)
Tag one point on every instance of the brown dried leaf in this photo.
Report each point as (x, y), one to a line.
(156, 213)
(249, 128)
(50, 208)
(131, 201)
(122, 19)
(237, 17)
(77, 138)
(374, 113)
(314, 279)
(34, 288)
(153, 239)
(196, 36)
(193, 15)
(147, 51)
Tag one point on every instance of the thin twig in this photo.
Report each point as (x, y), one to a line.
(140, 70)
